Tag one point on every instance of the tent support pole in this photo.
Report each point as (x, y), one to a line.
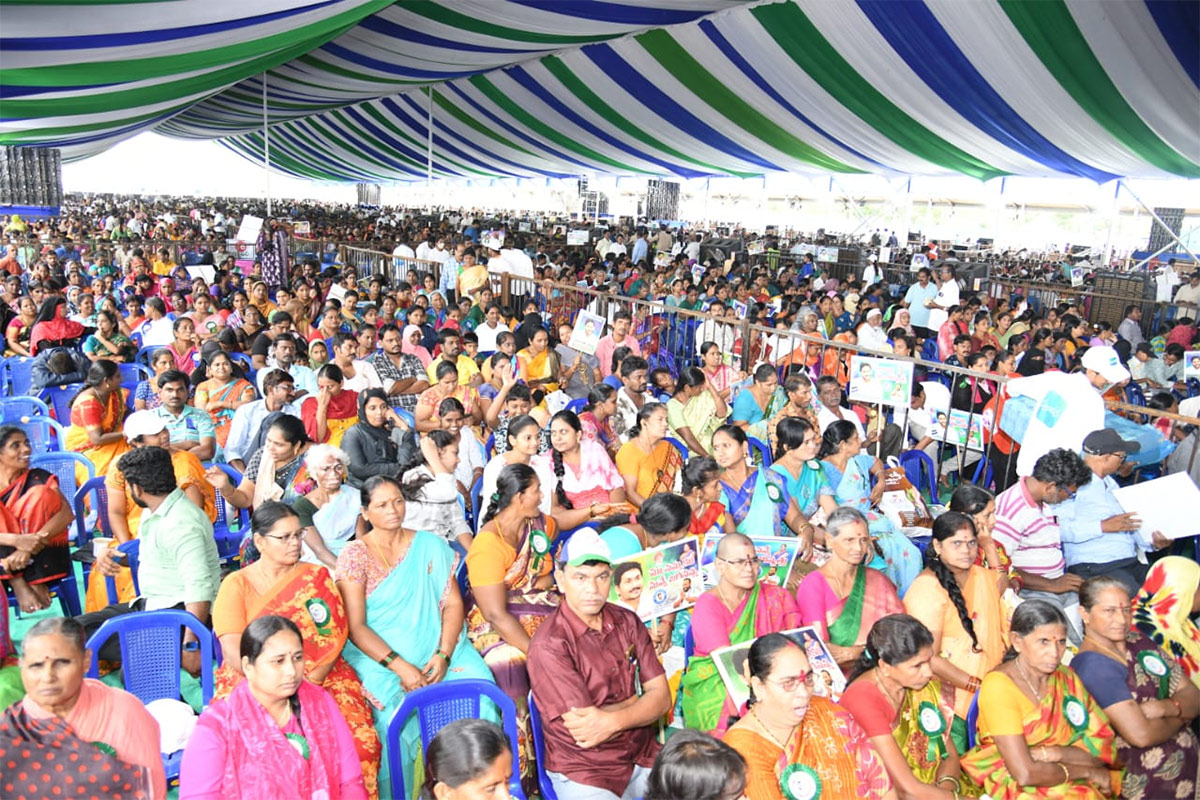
(429, 140)
(1158, 219)
(266, 144)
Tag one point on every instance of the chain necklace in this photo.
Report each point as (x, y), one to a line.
(883, 691)
(1111, 652)
(1037, 696)
(725, 600)
(766, 730)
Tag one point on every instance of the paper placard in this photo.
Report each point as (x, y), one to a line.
(885, 255)
(493, 240)
(302, 228)
(776, 554)
(337, 292)
(963, 429)
(205, 271)
(880, 381)
(739, 308)
(1191, 364)
(828, 680)
(669, 579)
(249, 228)
(1077, 276)
(1162, 505)
(754, 248)
(586, 333)
(662, 259)
(577, 237)
(525, 227)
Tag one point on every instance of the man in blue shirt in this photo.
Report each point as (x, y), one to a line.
(641, 249)
(1098, 536)
(914, 301)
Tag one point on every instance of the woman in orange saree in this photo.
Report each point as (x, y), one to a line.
(33, 532)
(1040, 732)
(277, 583)
(97, 413)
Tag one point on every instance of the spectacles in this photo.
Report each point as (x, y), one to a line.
(792, 684)
(291, 537)
(740, 562)
(337, 467)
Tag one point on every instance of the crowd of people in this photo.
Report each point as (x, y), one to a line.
(442, 487)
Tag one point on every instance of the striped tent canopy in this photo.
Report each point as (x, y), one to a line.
(355, 90)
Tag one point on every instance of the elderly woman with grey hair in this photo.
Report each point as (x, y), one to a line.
(843, 598)
(330, 513)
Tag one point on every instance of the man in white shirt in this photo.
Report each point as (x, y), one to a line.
(402, 251)
(714, 330)
(872, 274)
(1069, 407)
(1189, 296)
(158, 329)
(618, 247)
(1165, 282)
(693, 248)
(830, 410)
(358, 375)
(946, 297)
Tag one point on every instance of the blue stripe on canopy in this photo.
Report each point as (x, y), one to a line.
(617, 13)
(916, 35)
(403, 33)
(1179, 23)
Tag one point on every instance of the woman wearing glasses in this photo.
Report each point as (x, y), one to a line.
(279, 583)
(738, 609)
(330, 515)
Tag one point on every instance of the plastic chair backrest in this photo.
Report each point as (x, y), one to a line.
(460, 573)
(17, 407)
(232, 522)
(144, 355)
(983, 469)
(917, 466)
(678, 445)
(59, 399)
(45, 435)
(134, 374)
(539, 751)
(95, 489)
(132, 549)
(476, 500)
(973, 721)
(1134, 395)
(16, 374)
(407, 416)
(576, 405)
(442, 703)
(760, 447)
(62, 466)
(1193, 387)
(929, 350)
(150, 645)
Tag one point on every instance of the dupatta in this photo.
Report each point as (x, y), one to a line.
(813, 759)
(1162, 611)
(758, 505)
(844, 630)
(337, 520)
(703, 690)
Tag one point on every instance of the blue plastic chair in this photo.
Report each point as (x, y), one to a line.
(983, 469)
(918, 466)
(407, 416)
(59, 399)
(229, 537)
(929, 350)
(98, 521)
(678, 445)
(576, 405)
(17, 407)
(134, 373)
(689, 645)
(16, 375)
(460, 574)
(132, 550)
(1193, 387)
(144, 354)
(539, 751)
(1134, 395)
(442, 703)
(760, 447)
(62, 466)
(477, 510)
(973, 721)
(150, 644)
(44, 433)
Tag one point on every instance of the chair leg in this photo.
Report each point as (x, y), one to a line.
(68, 596)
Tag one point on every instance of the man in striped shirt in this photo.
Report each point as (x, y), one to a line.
(1028, 530)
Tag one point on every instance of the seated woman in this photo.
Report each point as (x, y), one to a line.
(959, 602)
(108, 341)
(792, 737)
(34, 517)
(843, 599)
(697, 766)
(648, 462)
(104, 733)
(799, 390)
(405, 612)
(333, 411)
(587, 485)
(1040, 731)
(468, 758)
(275, 472)
(277, 734)
(145, 396)
(374, 444)
(260, 298)
(757, 498)
(51, 328)
(1164, 607)
(446, 385)
(279, 584)
(696, 411)
(849, 471)
(511, 568)
(429, 480)
(720, 375)
(702, 489)
(524, 437)
(21, 326)
(223, 393)
(797, 443)
(738, 609)
(1143, 690)
(895, 699)
(330, 514)
(753, 408)
(538, 365)
(97, 413)
(596, 418)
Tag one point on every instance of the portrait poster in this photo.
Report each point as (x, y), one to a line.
(880, 381)
(302, 228)
(525, 227)
(665, 580)
(827, 254)
(739, 308)
(754, 248)
(776, 554)
(919, 261)
(828, 679)
(586, 333)
(577, 237)
(493, 240)
(1191, 364)
(662, 258)
(964, 429)
(1077, 276)
(697, 273)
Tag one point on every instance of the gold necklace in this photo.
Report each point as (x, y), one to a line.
(883, 691)
(1106, 650)
(766, 730)
(1021, 669)
(725, 599)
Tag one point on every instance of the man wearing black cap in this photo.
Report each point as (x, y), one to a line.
(1099, 537)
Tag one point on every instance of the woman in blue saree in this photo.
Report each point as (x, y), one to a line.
(849, 471)
(406, 615)
(757, 498)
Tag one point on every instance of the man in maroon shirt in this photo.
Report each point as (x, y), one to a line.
(597, 683)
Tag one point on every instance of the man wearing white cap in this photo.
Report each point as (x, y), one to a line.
(1069, 407)
(597, 683)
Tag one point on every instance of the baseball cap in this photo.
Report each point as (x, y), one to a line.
(143, 423)
(1105, 361)
(1106, 441)
(584, 546)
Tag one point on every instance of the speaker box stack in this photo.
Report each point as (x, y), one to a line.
(1159, 236)
(31, 180)
(662, 200)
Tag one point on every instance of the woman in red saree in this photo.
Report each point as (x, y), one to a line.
(333, 411)
(278, 584)
(33, 524)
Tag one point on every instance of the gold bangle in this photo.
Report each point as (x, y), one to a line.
(1066, 773)
(953, 780)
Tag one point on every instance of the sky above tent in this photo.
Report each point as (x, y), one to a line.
(556, 88)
